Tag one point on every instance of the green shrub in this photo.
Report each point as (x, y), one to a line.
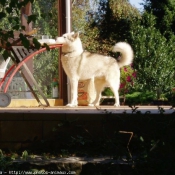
(153, 56)
(140, 97)
(107, 92)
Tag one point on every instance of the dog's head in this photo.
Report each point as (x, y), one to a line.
(67, 38)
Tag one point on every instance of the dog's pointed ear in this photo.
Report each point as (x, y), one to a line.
(76, 35)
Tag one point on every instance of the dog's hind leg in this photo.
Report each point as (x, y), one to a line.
(113, 80)
(100, 83)
(116, 94)
(114, 85)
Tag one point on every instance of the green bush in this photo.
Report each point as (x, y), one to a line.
(107, 92)
(154, 56)
(140, 97)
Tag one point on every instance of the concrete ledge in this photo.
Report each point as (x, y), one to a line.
(26, 108)
(34, 103)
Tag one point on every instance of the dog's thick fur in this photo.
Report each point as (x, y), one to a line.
(82, 65)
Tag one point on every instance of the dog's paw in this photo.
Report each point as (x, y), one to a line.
(97, 104)
(71, 105)
(90, 104)
(116, 105)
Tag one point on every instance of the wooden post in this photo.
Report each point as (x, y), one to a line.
(63, 87)
(27, 11)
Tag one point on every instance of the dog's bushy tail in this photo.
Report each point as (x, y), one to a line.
(126, 51)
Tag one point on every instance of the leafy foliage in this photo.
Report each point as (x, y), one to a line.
(80, 11)
(164, 11)
(106, 25)
(153, 52)
(142, 98)
(11, 21)
(46, 14)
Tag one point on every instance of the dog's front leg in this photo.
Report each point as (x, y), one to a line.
(74, 93)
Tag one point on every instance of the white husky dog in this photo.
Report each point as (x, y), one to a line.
(83, 65)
